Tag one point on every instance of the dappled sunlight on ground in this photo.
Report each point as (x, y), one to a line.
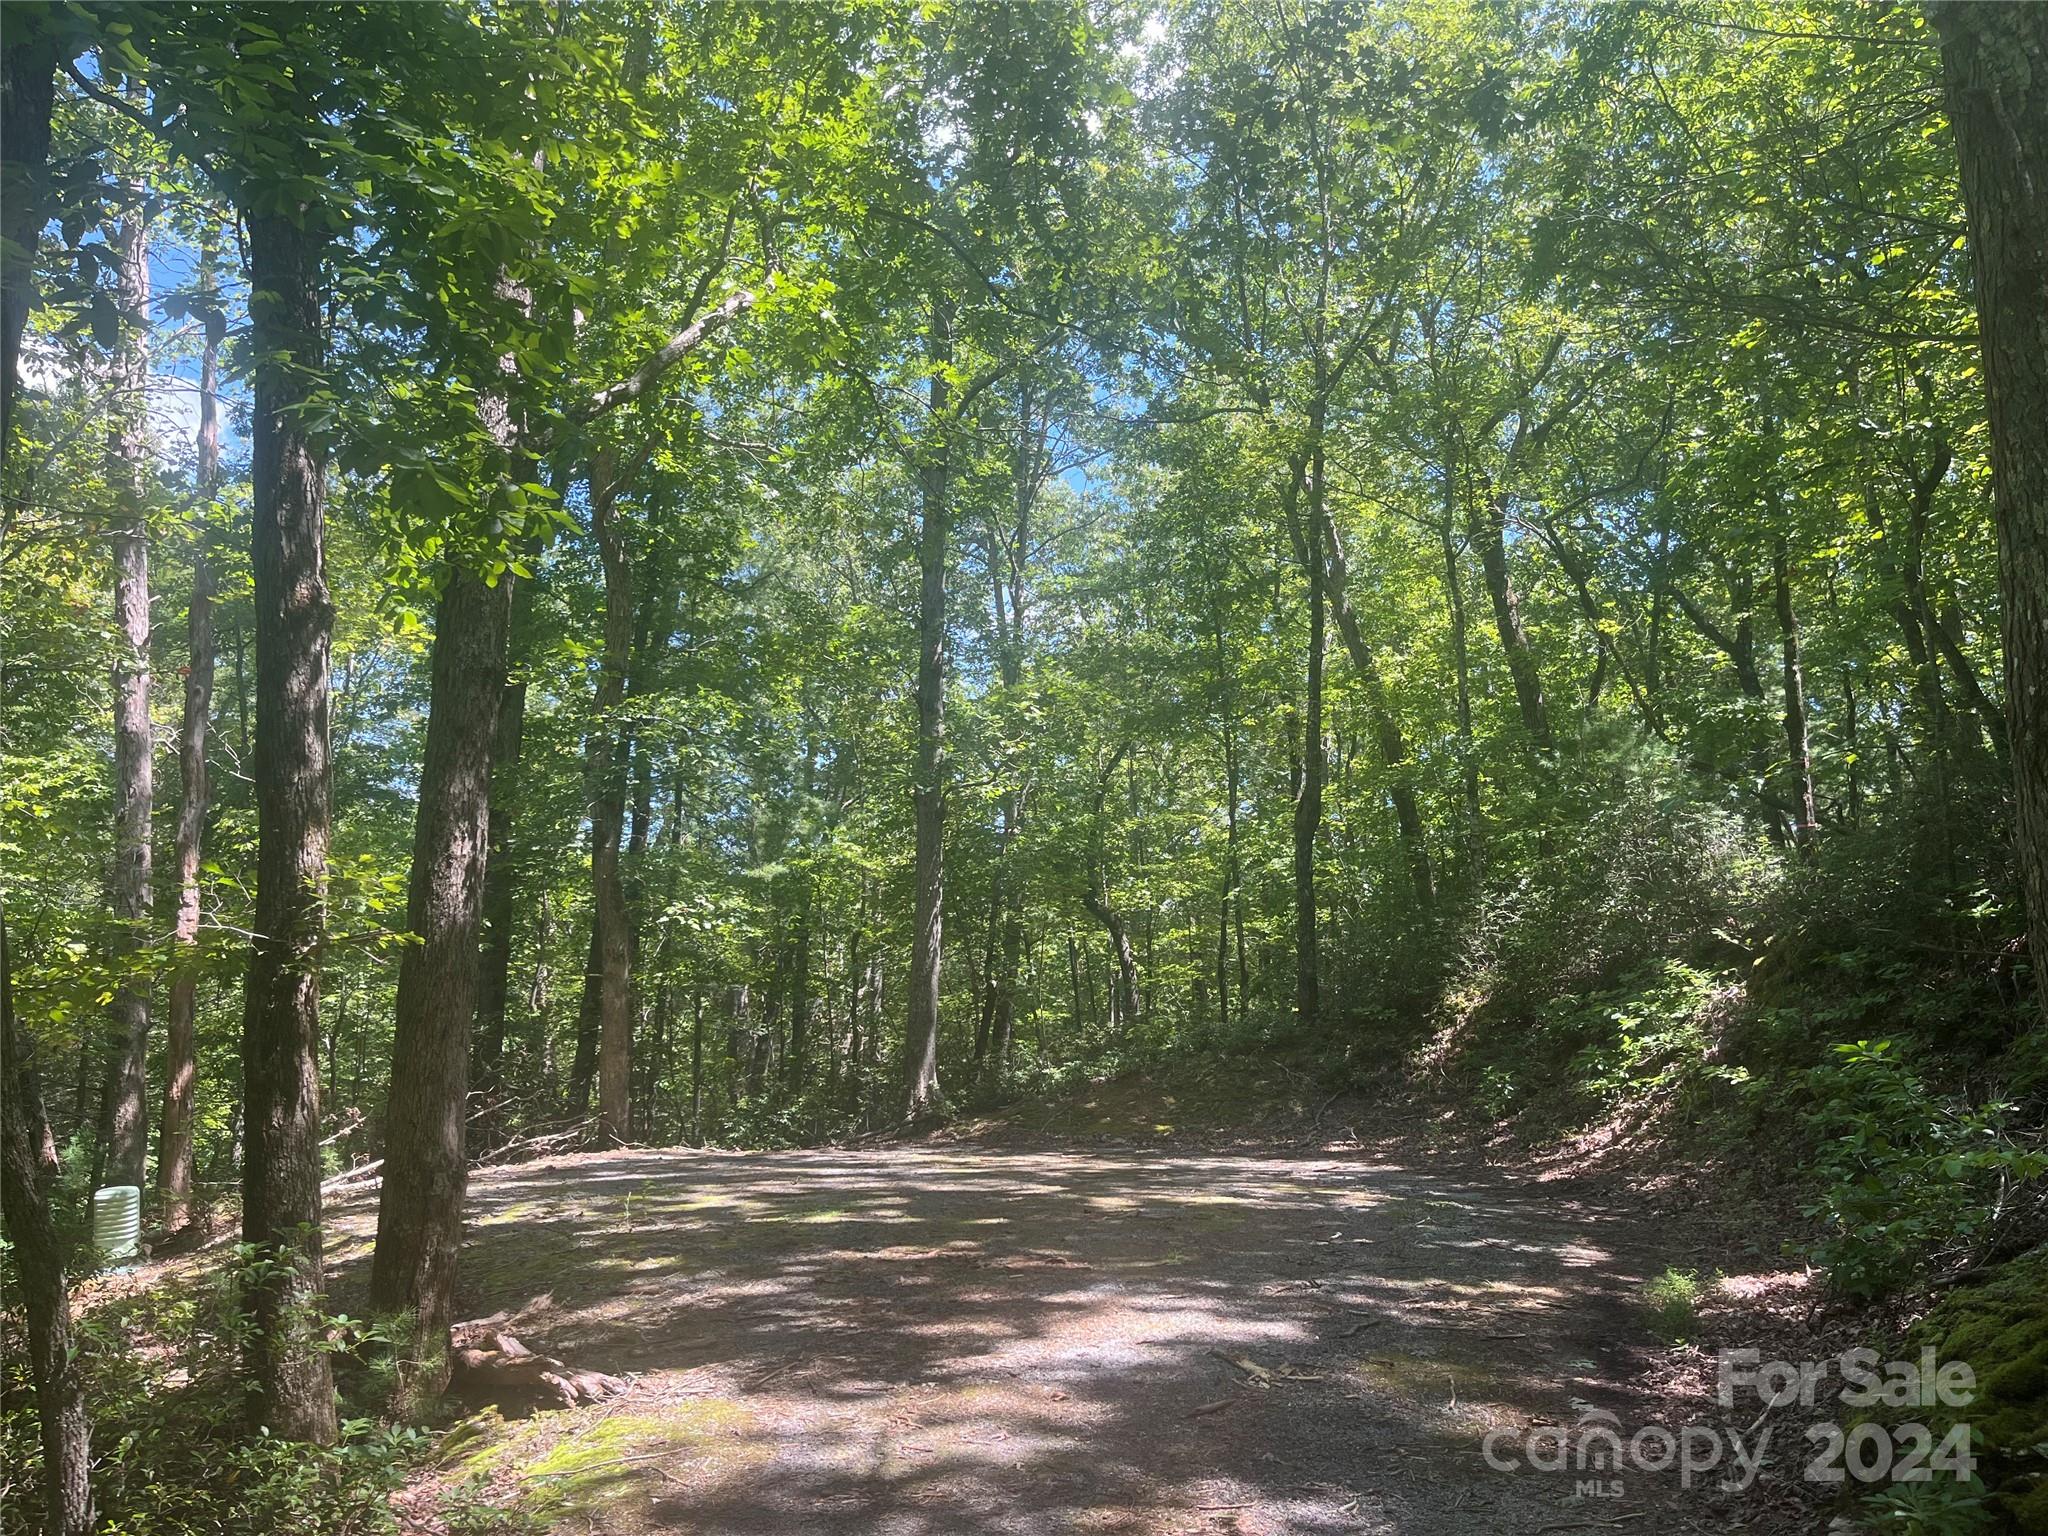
(958, 1340)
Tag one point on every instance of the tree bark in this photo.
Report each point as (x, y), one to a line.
(1388, 741)
(1487, 531)
(125, 1106)
(28, 1165)
(1029, 467)
(294, 1388)
(494, 981)
(921, 1034)
(174, 1142)
(1124, 1000)
(589, 1014)
(1307, 474)
(613, 920)
(1995, 64)
(1461, 658)
(1799, 754)
(426, 1171)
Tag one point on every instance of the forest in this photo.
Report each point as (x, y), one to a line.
(945, 766)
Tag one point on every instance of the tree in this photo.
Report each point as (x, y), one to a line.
(125, 1131)
(28, 1151)
(174, 1135)
(293, 1384)
(28, 1167)
(1995, 64)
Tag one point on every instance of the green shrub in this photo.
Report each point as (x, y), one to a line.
(1908, 1178)
(172, 1454)
(1651, 1038)
(1939, 1508)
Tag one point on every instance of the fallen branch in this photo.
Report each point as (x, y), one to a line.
(357, 1174)
(1257, 1373)
(537, 1143)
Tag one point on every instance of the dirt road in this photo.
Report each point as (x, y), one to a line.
(943, 1341)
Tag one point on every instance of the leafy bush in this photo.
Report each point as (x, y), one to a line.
(1655, 1037)
(1651, 1038)
(1939, 1508)
(172, 1453)
(1650, 868)
(1908, 1178)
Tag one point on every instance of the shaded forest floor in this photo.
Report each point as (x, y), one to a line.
(1009, 1333)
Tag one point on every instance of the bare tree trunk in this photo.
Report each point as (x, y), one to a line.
(921, 1035)
(174, 1140)
(125, 1107)
(426, 1171)
(1028, 469)
(1799, 752)
(500, 916)
(28, 1152)
(583, 1061)
(1487, 530)
(607, 821)
(697, 1071)
(28, 1165)
(1995, 63)
(1003, 1027)
(1461, 656)
(1308, 797)
(294, 1388)
(1124, 1001)
(1391, 746)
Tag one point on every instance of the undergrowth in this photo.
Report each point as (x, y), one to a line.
(173, 1452)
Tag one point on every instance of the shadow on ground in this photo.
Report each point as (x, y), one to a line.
(938, 1342)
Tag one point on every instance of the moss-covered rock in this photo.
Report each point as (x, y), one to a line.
(2000, 1330)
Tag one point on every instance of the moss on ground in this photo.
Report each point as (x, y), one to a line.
(561, 1467)
(2000, 1330)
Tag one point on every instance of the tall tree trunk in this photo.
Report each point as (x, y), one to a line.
(697, 1072)
(28, 1167)
(589, 1016)
(796, 1063)
(1225, 902)
(174, 1142)
(1124, 1005)
(1995, 62)
(1388, 741)
(608, 819)
(1461, 658)
(426, 1171)
(294, 1388)
(28, 1152)
(125, 1108)
(1009, 960)
(1799, 757)
(921, 1035)
(1487, 522)
(1307, 474)
(1007, 558)
(500, 915)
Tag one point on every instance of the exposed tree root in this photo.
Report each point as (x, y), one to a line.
(491, 1365)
